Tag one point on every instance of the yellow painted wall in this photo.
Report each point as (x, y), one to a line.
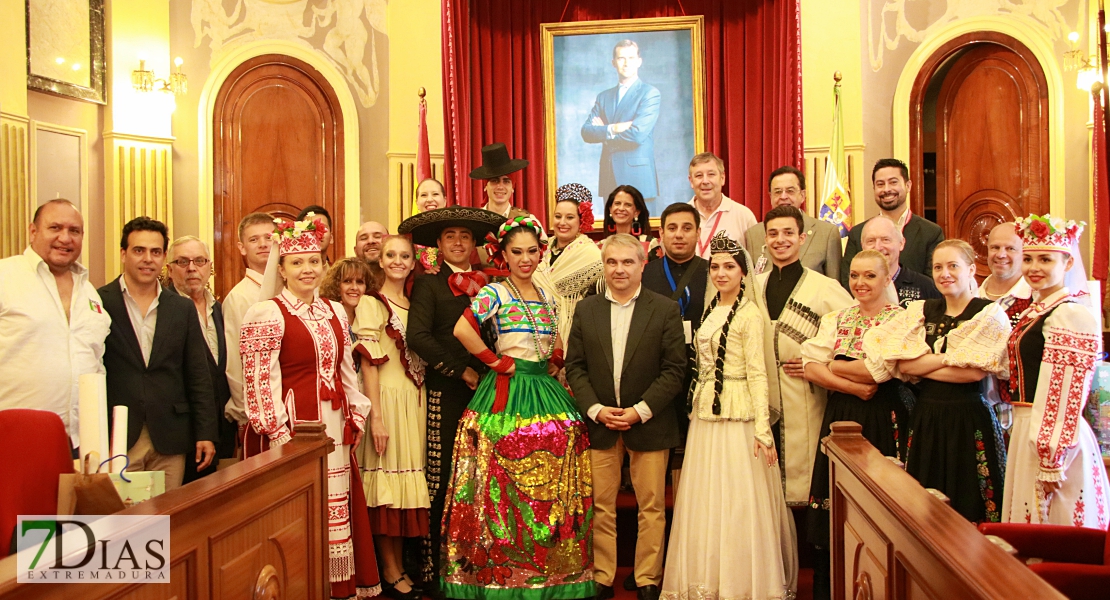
(13, 58)
(137, 29)
(830, 42)
(414, 62)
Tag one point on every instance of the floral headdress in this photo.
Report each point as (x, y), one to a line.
(494, 247)
(1049, 233)
(296, 237)
(581, 196)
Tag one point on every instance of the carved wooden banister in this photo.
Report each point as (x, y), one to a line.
(891, 538)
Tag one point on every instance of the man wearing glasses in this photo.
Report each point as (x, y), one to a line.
(821, 250)
(190, 271)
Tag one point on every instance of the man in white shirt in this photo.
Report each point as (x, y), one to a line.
(52, 321)
(717, 211)
(626, 362)
(254, 244)
(191, 269)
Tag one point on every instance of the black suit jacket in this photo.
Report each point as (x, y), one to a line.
(922, 236)
(434, 311)
(172, 395)
(653, 370)
(221, 390)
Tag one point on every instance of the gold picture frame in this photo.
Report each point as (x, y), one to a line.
(578, 65)
(65, 50)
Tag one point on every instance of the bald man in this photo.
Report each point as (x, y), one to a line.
(368, 241)
(52, 321)
(1005, 283)
(882, 234)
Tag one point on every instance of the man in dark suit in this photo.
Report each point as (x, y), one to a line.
(190, 271)
(623, 122)
(617, 340)
(437, 301)
(891, 180)
(155, 361)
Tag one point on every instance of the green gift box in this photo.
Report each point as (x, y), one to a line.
(143, 485)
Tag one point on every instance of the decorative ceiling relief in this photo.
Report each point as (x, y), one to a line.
(335, 27)
(914, 21)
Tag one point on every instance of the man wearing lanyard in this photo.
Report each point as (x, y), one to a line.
(717, 211)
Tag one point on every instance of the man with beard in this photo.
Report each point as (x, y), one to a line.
(368, 241)
(891, 181)
(436, 303)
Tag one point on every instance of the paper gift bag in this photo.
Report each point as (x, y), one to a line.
(143, 485)
(87, 492)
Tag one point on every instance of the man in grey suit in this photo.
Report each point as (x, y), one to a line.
(821, 247)
(623, 122)
(626, 359)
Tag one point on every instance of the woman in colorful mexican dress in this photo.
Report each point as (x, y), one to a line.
(732, 535)
(517, 523)
(572, 264)
(298, 368)
(833, 359)
(949, 346)
(392, 456)
(1055, 473)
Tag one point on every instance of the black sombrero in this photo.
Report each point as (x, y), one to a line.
(425, 227)
(496, 162)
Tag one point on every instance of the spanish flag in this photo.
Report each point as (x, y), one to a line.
(836, 204)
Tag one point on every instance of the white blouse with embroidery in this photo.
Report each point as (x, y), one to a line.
(260, 344)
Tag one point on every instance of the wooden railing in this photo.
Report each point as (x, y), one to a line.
(254, 530)
(892, 539)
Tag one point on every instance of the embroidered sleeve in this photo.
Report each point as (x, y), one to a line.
(369, 327)
(259, 346)
(235, 308)
(359, 403)
(486, 303)
(900, 338)
(980, 342)
(821, 347)
(1071, 343)
(751, 329)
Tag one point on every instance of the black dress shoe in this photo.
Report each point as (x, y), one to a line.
(604, 592)
(648, 592)
(630, 582)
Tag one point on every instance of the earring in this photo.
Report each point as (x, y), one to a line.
(611, 228)
(637, 230)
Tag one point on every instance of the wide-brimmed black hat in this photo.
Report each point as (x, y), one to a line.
(496, 162)
(425, 227)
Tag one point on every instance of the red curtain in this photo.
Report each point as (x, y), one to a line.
(493, 86)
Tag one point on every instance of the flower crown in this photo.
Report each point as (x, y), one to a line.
(721, 243)
(581, 196)
(1049, 233)
(295, 237)
(495, 246)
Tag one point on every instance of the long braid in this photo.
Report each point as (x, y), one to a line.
(719, 366)
(694, 359)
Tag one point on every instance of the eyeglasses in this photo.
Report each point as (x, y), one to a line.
(199, 261)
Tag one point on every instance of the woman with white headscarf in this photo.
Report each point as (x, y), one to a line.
(1054, 472)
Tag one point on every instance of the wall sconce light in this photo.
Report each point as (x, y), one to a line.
(1086, 67)
(143, 80)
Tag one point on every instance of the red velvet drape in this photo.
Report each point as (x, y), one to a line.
(493, 86)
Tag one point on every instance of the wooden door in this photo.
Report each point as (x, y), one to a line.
(278, 148)
(992, 143)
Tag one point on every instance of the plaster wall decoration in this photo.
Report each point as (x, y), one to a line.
(334, 27)
(915, 21)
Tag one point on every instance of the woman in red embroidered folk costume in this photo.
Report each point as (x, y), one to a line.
(297, 368)
(392, 455)
(1055, 472)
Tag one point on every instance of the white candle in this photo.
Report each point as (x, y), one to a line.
(92, 415)
(119, 438)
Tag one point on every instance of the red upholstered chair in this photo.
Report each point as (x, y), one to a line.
(1076, 559)
(35, 450)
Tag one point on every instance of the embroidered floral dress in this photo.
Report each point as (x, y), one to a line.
(1052, 353)
(297, 368)
(396, 490)
(518, 519)
(883, 416)
(954, 443)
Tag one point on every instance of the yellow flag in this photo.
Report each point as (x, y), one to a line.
(836, 204)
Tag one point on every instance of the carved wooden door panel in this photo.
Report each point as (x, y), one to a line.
(992, 144)
(278, 147)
